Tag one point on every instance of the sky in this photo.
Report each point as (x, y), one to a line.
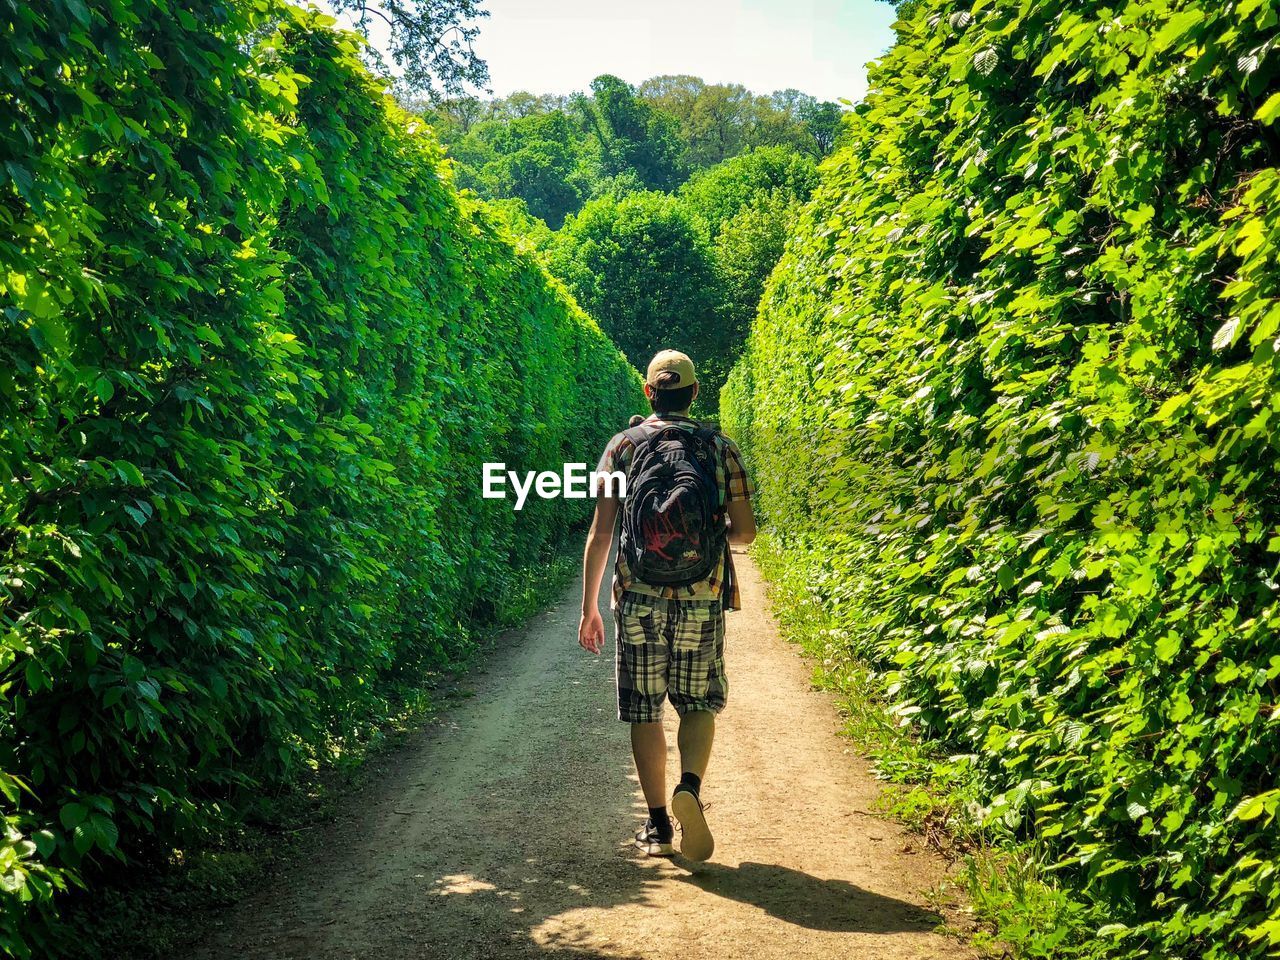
(558, 46)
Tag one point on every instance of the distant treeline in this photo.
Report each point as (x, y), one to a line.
(663, 207)
(555, 152)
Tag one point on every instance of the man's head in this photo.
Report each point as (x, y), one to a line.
(670, 383)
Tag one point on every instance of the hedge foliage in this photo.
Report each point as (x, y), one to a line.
(255, 349)
(1024, 350)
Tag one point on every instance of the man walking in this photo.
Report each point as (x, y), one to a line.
(688, 497)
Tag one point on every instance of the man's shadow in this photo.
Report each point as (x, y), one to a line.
(806, 901)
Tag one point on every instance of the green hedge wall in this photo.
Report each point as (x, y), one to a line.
(255, 349)
(1023, 350)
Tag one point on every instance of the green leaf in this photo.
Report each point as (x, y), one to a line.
(35, 675)
(45, 842)
(1113, 930)
(1268, 112)
(1253, 807)
(105, 833)
(1167, 647)
(1226, 334)
(132, 669)
(209, 335)
(1032, 238)
(1005, 577)
(1171, 408)
(1176, 29)
(73, 814)
(128, 472)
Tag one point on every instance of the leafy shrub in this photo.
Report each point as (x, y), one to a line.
(537, 158)
(747, 207)
(255, 351)
(717, 195)
(644, 270)
(1023, 350)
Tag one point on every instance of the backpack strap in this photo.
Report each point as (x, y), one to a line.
(646, 431)
(637, 435)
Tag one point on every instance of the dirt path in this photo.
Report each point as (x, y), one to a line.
(503, 831)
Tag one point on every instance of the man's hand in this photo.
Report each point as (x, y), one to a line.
(594, 558)
(591, 631)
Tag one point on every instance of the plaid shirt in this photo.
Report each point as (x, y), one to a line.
(733, 483)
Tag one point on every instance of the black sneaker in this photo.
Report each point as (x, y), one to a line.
(653, 843)
(696, 841)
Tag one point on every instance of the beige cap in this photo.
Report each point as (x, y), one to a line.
(670, 370)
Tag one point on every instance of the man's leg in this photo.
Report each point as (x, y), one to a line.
(649, 747)
(642, 659)
(699, 690)
(697, 731)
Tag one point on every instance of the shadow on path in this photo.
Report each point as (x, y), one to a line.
(795, 897)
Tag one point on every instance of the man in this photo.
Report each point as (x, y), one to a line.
(669, 611)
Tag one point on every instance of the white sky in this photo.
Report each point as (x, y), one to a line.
(559, 46)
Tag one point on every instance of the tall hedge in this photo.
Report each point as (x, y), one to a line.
(255, 349)
(1023, 350)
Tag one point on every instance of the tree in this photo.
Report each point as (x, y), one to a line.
(819, 121)
(524, 227)
(720, 124)
(670, 90)
(631, 134)
(522, 103)
(719, 121)
(430, 40)
(642, 268)
(823, 122)
(716, 195)
(450, 117)
(745, 208)
(745, 250)
(536, 157)
(716, 121)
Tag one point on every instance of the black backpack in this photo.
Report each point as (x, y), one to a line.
(673, 530)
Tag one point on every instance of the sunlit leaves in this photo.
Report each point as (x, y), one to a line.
(1269, 111)
(1226, 334)
(986, 60)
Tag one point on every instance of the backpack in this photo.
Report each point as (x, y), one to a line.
(673, 531)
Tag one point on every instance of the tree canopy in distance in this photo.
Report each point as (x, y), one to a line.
(663, 206)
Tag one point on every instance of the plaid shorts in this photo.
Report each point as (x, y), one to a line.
(668, 649)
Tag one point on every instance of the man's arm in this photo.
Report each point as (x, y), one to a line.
(742, 522)
(740, 490)
(594, 559)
